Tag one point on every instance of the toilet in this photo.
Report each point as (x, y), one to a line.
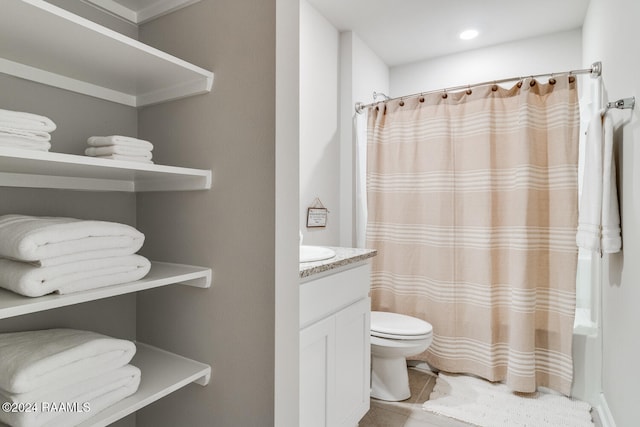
(393, 338)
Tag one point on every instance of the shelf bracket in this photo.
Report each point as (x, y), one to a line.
(205, 379)
(200, 282)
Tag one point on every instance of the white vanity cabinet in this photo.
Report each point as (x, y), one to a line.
(335, 346)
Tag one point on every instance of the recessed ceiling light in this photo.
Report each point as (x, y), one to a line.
(468, 34)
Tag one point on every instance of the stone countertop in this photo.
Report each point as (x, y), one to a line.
(344, 256)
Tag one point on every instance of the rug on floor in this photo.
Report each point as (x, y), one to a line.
(483, 403)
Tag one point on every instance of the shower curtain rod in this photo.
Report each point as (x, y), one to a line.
(595, 71)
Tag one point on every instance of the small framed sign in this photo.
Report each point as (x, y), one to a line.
(316, 217)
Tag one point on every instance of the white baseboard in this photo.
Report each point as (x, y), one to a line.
(603, 411)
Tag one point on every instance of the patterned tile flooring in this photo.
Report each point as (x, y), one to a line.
(409, 413)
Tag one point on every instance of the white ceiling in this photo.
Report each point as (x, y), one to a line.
(403, 31)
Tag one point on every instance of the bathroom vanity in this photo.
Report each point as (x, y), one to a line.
(334, 339)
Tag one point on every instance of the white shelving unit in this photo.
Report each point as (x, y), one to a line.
(162, 374)
(82, 56)
(161, 274)
(38, 169)
(46, 44)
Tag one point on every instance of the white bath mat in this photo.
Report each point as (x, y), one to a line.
(482, 403)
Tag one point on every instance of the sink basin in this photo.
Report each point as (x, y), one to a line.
(315, 253)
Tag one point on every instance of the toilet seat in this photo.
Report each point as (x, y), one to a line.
(399, 327)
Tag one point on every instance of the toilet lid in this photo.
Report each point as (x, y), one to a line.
(399, 326)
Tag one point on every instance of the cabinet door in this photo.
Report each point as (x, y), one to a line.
(317, 370)
(353, 363)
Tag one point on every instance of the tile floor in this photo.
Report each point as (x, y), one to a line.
(409, 413)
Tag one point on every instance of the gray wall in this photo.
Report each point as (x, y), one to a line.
(230, 228)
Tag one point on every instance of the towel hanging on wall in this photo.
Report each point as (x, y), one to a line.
(599, 216)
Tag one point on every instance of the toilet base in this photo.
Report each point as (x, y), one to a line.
(389, 378)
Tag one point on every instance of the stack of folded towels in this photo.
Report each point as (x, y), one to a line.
(41, 255)
(25, 130)
(83, 370)
(119, 147)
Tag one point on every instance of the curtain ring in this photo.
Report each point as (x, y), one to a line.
(519, 84)
(532, 83)
(552, 80)
(494, 87)
(469, 91)
(401, 103)
(444, 94)
(571, 78)
(421, 99)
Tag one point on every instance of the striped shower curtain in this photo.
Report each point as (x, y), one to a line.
(472, 206)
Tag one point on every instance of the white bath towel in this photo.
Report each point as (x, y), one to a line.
(611, 233)
(31, 281)
(22, 143)
(599, 218)
(49, 240)
(85, 399)
(117, 149)
(34, 360)
(124, 141)
(26, 121)
(30, 135)
(137, 159)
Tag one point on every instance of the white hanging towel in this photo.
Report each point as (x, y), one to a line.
(599, 217)
(26, 121)
(35, 360)
(84, 398)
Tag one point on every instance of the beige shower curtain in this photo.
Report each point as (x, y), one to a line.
(472, 206)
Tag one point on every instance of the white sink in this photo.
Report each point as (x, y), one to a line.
(315, 253)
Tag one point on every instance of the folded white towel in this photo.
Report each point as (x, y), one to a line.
(87, 397)
(124, 141)
(34, 360)
(10, 141)
(43, 239)
(599, 218)
(26, 121)
(117, 149)
(126, 158)
(30, 135)
(28, 280)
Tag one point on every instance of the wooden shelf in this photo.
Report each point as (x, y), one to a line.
(161, 274)
(49, 45)
(162, 374)
(39, 169)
